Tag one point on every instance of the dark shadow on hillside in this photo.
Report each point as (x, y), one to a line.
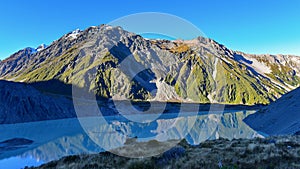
(53, 87)
(56, 87)
(56, 92)
(240, 58)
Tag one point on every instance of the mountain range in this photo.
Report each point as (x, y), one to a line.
(113, 63)
(199, 70)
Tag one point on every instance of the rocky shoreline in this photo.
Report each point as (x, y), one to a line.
(271, 152)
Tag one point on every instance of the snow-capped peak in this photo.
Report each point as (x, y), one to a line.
(41, 47)
(74, 34)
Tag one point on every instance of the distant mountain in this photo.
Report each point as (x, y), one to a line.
(280, 117)
(23, 103)
(199, 70)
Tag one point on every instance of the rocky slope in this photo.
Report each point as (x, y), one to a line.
(23, 103)
(114, 63)
(280, 117)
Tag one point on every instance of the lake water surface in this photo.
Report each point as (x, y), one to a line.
(35, 143)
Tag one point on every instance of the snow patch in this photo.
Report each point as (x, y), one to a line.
(107, 27)
(257, 66)
(41, 47)
(74, 34)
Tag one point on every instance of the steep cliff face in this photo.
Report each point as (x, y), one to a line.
(280, 117)
(23, 103)
(122, 65)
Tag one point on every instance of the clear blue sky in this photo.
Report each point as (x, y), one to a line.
(253, 26)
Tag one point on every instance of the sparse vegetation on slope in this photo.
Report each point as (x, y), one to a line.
(200, 70)
(274, 152)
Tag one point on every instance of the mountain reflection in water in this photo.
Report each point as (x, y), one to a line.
(57, 138)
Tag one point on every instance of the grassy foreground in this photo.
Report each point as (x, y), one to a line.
(273, 152)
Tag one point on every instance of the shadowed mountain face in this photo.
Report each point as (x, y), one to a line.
(20, 103)
(23, 103)
(280, 117)
(124, 65)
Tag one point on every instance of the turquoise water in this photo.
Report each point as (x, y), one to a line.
(51, 140)
(19, 162)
